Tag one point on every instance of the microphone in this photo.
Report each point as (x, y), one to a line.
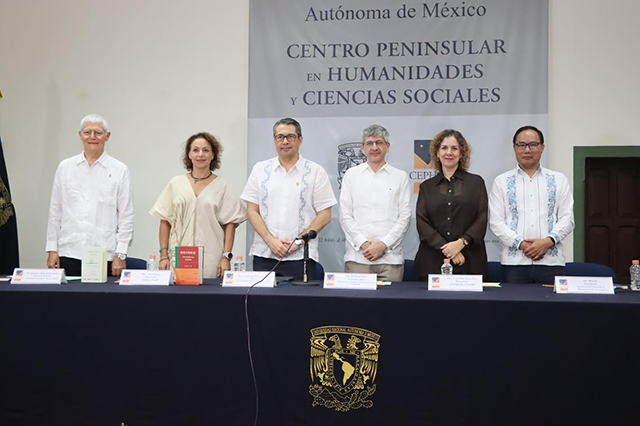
(306, 237)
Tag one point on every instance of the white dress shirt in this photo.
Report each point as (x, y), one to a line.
(91, 206)
(375, 206)
(288, 201)
(522, 207)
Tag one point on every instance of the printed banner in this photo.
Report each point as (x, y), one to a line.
(416, 68)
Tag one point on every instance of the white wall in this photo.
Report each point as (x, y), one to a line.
(160, 71)
(593, 78)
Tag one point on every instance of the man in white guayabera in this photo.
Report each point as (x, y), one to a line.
(287, 196)
(531, 212)
(375, 210)
(91, 204)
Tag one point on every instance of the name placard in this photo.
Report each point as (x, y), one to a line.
(144, 277)
(38, 276)
(248, 278)
(455, 282)
(584, 285)
(350, 281)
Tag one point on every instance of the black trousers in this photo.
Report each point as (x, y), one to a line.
(73, 267)
(528, 274)
(291, 268)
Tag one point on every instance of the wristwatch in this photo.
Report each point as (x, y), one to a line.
(228, 255)
(121, 256)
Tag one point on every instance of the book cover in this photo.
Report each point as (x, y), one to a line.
(189, 264)
(94, 264)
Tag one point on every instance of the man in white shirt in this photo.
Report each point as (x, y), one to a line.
(375, 210)
(531, 212)
(91, 204)
(287, 196)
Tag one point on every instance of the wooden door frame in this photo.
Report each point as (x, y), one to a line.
(580, 155)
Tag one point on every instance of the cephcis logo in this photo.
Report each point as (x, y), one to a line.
(421, 163)
(421, 153)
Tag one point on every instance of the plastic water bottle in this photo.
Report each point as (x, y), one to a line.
(635, 275)
(446, 268)
(238, 265)
(152, 263)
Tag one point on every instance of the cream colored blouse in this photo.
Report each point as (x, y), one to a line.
(199, 221)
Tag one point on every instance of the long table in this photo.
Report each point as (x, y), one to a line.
(103, 354)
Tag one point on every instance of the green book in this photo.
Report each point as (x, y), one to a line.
(94, 264)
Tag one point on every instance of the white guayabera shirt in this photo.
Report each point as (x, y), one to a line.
(91, 206)
(288, 201)
(375, 206)
(522, 207)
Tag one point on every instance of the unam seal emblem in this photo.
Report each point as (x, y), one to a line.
(343, 366)
(349, 155)
(6, 207)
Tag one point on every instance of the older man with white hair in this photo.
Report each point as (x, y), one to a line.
(91, 204)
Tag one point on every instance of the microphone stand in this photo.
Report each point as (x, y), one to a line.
(305, 277)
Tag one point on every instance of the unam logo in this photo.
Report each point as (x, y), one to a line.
(349, 155)
(421, 163)
(343, 365)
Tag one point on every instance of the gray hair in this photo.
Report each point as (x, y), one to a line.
(288, 122)
(94, 118)
(375, 130)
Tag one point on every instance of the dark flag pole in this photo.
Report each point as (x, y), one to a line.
(8, 223)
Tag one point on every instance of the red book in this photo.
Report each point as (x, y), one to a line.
(188, 260)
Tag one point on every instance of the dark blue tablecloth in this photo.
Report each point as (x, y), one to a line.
(100, 354)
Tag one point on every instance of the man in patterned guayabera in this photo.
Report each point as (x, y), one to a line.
(287, 196)
(531, 212)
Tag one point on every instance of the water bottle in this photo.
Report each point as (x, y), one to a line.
(152, 264)
(635, 275)
(238, 265)
(446, 268)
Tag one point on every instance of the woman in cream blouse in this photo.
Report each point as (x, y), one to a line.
(199, 208)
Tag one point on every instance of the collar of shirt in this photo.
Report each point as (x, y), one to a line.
(277, 166)
(540, 170)
(458, 174)
(103, 160)
(368, 168)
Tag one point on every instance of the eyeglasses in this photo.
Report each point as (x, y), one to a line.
(521, 146)
(369, 144)
(378, 144)
(98, 133)
(290, 137)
